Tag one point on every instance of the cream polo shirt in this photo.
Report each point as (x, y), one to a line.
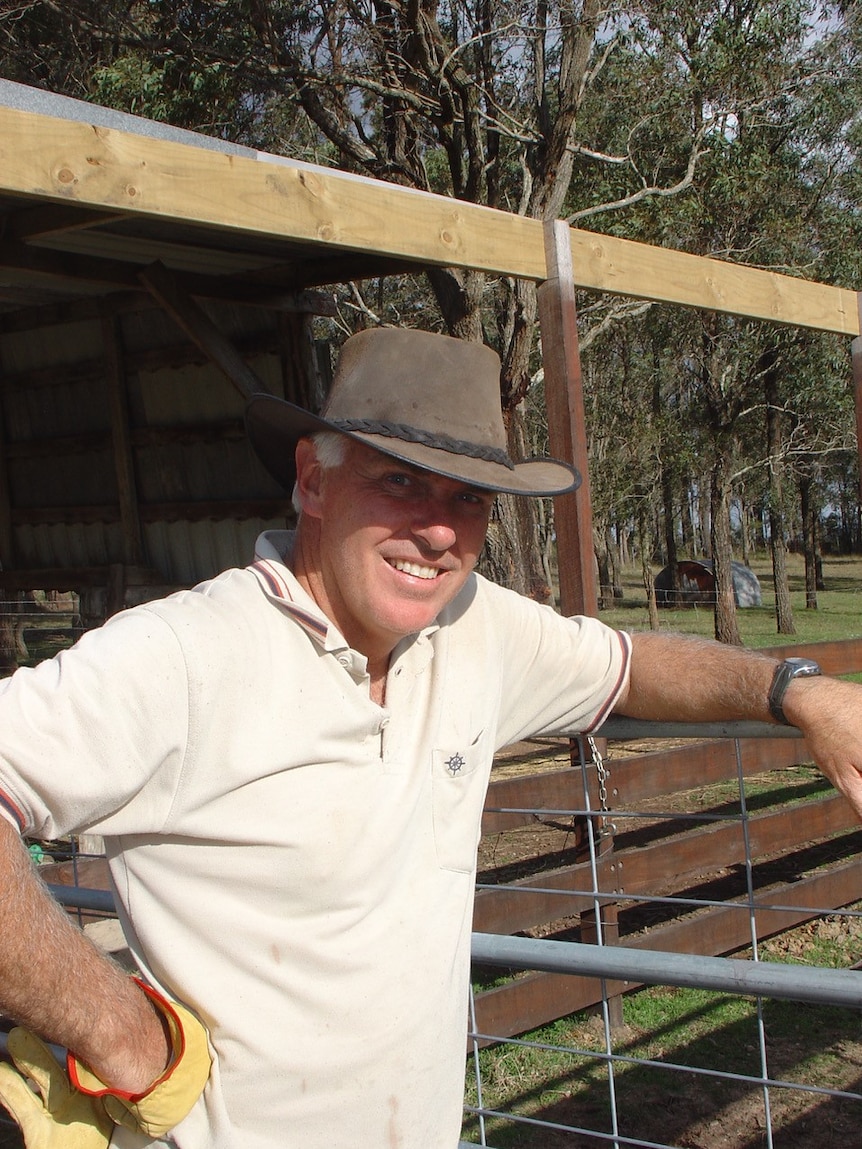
(292, 860)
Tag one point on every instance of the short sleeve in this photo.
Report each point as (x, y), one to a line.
(560, 675)
(97, 732)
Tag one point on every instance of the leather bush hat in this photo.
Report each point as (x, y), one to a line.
(427, 399)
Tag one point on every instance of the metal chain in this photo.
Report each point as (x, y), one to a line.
(606, 827)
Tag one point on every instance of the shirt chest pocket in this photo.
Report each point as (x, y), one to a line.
(459, 778)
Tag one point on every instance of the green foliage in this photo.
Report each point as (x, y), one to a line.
(725, 129)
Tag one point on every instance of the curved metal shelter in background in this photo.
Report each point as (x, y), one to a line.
(697, 584)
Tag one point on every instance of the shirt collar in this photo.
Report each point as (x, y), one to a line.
(271, 566)
(273, 552)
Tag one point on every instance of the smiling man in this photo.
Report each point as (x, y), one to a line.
(289, 764)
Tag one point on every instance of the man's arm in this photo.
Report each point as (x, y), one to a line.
(679, 679)
(55, 982)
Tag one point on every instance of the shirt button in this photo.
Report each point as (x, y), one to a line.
(344, 659)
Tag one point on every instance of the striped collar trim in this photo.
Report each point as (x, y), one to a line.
(271, 576)
(12, 812)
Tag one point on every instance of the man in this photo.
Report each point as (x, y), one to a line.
(289, 764)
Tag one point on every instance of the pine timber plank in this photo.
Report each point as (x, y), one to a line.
(607, 263)
(62, 161)
(66, 161)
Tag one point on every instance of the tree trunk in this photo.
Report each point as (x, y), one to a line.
(705, 515)
(809, 544)
(688, 544)
(510, 557)
(726, 622)
(777, 546)
(645, 544)
(606, 561)
(783, 606)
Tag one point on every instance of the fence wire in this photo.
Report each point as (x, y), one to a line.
(591, 1081)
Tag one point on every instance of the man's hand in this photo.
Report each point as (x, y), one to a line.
(170, 1098)
(828, 711)
(58, 1116)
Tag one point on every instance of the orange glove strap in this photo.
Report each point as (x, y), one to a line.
(95, 1088)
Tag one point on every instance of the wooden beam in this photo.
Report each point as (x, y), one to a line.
(564, 892)
(567, 436)
(124, 464)
(40, 316)
(606, 263)
(43, 264)
(191, 512)
(52, 219)
(40, 264)
(67, 161)
(201, 330)
(64, 161)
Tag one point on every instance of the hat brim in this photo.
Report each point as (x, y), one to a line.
(275, 426)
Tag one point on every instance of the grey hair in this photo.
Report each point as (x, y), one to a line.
(331, 450)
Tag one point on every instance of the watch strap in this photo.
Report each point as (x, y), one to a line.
(784, 674)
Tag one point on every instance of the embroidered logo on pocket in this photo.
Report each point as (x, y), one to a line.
(458, 784)
(455, 764)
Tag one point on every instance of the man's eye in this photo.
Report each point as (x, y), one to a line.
(474, 499)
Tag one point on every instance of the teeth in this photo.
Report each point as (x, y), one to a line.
(415, 569)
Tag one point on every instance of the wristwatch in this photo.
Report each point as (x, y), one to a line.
(785, 672)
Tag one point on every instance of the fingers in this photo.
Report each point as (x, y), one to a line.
(16, 1095)
(36, 1062)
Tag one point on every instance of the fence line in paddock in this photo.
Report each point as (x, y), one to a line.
(615, 968)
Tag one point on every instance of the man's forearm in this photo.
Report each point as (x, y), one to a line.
(680, 679)
(53, 981)
(693, 680)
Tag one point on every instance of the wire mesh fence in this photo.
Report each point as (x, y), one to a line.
(757, 1049)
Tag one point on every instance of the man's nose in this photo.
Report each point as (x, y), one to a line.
(433, 524)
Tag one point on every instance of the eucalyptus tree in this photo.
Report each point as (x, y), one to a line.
(745, 86)
(475, 100)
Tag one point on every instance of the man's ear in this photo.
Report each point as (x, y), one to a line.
(309, 478)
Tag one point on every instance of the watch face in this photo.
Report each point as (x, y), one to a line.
(801, 666)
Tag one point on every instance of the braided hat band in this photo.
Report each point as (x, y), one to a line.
(414, 435)
(429, 400)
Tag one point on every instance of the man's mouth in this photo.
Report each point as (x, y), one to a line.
(414, 569)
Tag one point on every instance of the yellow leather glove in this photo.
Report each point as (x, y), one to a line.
(169, 1099)
(58, 1116)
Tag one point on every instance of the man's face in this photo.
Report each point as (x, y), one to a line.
(384, 545)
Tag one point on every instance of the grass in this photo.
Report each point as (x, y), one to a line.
(671, 1047)
(838, 614)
